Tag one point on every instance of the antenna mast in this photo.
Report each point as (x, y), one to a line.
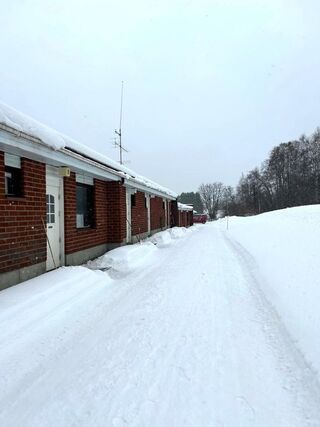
(119, 131)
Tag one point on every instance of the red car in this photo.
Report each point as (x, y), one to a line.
(200, 218)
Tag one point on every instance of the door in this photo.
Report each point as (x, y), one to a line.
(128, 217)
(53, 226)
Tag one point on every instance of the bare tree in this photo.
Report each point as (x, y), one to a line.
(290, 176)
(211, 197)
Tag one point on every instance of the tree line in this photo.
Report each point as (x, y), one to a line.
(289, 177)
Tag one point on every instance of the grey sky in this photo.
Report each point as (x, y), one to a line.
(210, 86)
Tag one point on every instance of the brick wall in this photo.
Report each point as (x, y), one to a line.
(139, 215)
(77, 239)
(116, 212)
(157, 213)
(185, 219)
(22, 236)
(181, 219)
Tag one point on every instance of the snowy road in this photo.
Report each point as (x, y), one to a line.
(189, 341)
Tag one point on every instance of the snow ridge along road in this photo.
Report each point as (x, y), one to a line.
(189, 340)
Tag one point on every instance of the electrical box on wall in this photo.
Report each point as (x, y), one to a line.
(64, 171)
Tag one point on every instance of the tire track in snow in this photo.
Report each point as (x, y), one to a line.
(300, 379)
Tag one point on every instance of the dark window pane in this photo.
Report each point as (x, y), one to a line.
(13, 182)
(85, 205)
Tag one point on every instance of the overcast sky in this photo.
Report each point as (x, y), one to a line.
(209, 86)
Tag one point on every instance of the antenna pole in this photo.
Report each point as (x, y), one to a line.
(120, 124)
(119, 131)
(121, 102)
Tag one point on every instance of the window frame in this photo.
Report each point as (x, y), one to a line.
(50, 206)
(12, 166)
(89, 213)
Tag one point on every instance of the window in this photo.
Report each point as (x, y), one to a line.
(13, 175)
(50, 209)
(145, 202)
(84, 205)
(133, 200)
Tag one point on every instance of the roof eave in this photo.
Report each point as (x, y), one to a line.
(30, 147)
(130, 182)
(22, 144)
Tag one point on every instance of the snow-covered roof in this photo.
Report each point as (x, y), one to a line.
(58, 141)
(183, 207)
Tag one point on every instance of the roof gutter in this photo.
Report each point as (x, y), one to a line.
(131, 183)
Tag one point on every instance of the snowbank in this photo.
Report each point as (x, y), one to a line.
(286, 247)
(161, 239)
(178, 232)
(54, 287)
(164, 238)
(127, 259)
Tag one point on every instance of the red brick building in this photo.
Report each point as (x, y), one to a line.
(185, 215)
(63, 204)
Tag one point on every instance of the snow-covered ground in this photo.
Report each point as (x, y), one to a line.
(282, 249)
(192, 331)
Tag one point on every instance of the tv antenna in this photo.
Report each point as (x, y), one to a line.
(118, 141)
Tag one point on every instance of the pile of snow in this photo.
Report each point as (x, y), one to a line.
(164, 238)
(126, 258)
(58, 141)
(286, 247)
(178, 232)
(161, 239)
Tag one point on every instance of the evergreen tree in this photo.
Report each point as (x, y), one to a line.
(193, 199)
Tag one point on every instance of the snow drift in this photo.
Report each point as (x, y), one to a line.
(127, 259)
(178, 232)
(161, 239)
(286, 245)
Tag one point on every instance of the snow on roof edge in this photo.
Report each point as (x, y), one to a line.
(57, 141)
(184, 207)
